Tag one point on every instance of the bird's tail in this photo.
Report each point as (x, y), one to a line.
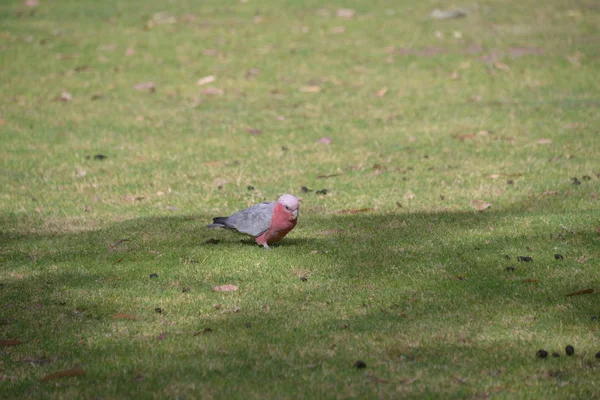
(219, 222)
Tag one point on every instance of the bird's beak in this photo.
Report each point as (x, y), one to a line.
(295, 214)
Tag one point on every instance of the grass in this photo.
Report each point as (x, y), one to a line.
(500, 106)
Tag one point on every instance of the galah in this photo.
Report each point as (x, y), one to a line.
(267, 222)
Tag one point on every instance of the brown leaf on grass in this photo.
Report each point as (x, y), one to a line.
(64, 374)
(327, 176)
(409, 195)
(113, 246)
(145, 86)
(480, 205)
(345, 13)
(550, 192)
(225, 288)
(501, 66)
(220, 182)
(530, 280)
(582, 259)
(311, 89)
(253, 131)
(381, 92)
(580, 292)
(10, 342)
(356, 211)
(206, 80)
(325, 140)
(544, 141)
(123, 316)
(64, 97)
(212, 91)
(203, 332)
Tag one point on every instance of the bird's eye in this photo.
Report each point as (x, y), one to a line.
(287, 208)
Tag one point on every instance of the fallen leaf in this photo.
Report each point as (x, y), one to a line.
(327, 176)
(480, 205)
(345, 13)
(356, 211)
(220, 182)
(409, 195)
(381, 92)
(149, 86)
(325, 140)
(212, 91)
(203, 331)
(253, 131)
(544, 141)
(65, 96)
(9, 342)
(206, 80)
(123, 316)
(64, 374)
(501, 66)
(311, 89)
(580, 292)
(225, 288)
(530, 280)
(448, 14)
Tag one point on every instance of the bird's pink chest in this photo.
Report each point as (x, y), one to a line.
(281, 224)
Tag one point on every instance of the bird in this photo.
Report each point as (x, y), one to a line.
(267, 222)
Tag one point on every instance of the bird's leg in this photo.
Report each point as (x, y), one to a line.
(266, 246)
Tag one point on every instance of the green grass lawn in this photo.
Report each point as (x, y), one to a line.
(426, 120)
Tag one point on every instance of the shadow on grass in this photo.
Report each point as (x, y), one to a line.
(404, 284)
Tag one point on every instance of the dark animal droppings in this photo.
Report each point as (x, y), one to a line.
(360, 364)
(542, 353)
(303, 278)
(99, 157)
(248, 325)
(212, 241)
(510, 269)
(250, 187)
(153, 275)
(304, 189)
(509, 182)
(598, 355)
(158, 310)
(558, 256)
(575, 181)
(555, 354)
(185, 290)
(569, 350)
(524, 259)
(586, 178)
(322, 191)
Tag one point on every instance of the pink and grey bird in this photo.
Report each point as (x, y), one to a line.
(267, 222)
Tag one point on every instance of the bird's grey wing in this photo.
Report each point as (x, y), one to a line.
(253, 220)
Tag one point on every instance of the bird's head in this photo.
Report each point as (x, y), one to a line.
(290, 204)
